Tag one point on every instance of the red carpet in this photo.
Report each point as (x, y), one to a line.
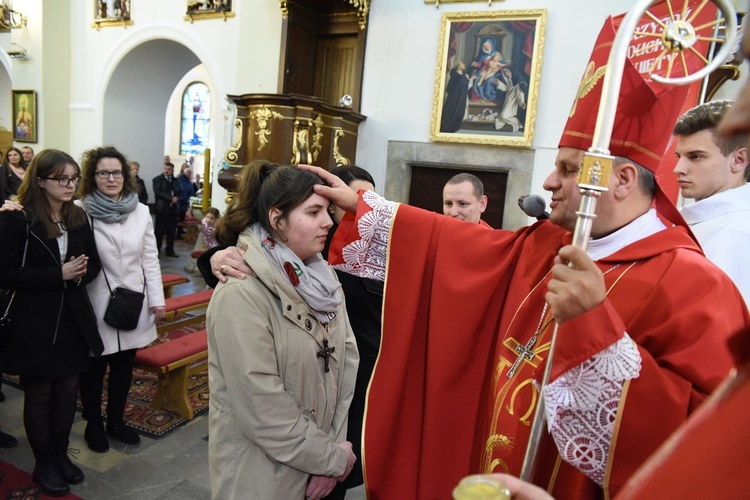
(15, 483)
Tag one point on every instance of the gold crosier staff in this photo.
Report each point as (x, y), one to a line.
(678, 35)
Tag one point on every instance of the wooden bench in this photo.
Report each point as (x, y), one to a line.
(174, 362)
(175, 306)
(170, 280)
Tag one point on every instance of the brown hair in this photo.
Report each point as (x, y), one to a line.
(49, 163)
(91, 160)
(262, 186)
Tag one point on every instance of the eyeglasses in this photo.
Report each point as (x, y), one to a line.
(104, 174)
(66, 181)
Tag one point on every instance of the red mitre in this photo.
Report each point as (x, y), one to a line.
(646, 114)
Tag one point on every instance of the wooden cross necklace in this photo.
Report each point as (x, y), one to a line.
(325, 353)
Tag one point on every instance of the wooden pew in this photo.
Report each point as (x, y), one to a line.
(174, 362)
(170, 280)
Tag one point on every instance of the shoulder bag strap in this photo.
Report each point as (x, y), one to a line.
(23, 263)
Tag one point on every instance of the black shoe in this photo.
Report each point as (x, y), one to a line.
(95, 437)
(47, 475)
(122, 432)
(7, 441)
(172, 254)
(70, 472)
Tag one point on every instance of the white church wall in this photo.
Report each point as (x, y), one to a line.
(401, 57)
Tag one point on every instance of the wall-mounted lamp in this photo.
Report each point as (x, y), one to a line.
(10, 18)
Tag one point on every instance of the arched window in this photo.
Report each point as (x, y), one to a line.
(196, 113)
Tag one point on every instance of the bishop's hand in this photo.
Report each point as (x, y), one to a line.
(336, 190)
(576, 288)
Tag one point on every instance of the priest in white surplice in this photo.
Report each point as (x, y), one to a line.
(714, 171)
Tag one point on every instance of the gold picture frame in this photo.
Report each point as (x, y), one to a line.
(112, 13)
(24, 116)
(487, 78)
(197, 10)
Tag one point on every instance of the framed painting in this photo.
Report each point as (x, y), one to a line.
(108, 13)
(487, 78)
(208, 9)
(24, 116)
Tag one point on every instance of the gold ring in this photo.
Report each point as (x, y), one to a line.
(221, 269)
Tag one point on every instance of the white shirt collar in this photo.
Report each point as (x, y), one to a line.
(640, 228)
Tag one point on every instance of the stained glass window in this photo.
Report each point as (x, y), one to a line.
(196, 113)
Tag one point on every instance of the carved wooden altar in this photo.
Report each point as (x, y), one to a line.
(290, 129)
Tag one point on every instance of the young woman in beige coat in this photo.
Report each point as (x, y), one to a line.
(282, 359)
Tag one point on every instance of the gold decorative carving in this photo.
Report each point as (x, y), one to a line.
(231, 155)
(317, 136)
(341, 160)
(300, 145)
(111, 23)
(438, 2)
(362, 6)
(199, 16)
(262, 116)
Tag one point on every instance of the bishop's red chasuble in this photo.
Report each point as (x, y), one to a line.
(459, 302)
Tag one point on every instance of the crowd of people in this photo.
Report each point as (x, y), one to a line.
(317, 278)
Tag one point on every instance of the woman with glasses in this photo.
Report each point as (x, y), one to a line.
(48, 258)
(125, 237)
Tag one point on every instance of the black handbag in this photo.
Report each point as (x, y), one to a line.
(124, 308)
(10, 295)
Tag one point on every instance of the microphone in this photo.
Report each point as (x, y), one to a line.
(534, 205)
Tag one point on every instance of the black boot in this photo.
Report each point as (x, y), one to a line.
(7, 441)
(95, 437)
(122, 432)
(70, 472)
(47, 475)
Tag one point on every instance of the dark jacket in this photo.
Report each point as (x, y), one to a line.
(164, 190)
(9, 182)
(186, 185)
(142, 192)
(53, 326)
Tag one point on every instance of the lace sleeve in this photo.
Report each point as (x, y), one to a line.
(581, 406)
(366, 257)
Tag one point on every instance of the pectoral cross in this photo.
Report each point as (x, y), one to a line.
(525, 352)
(325, 353)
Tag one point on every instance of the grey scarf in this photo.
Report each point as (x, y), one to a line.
(106, 209)
(314, 281)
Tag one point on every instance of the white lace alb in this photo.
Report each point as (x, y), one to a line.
(582, 403)
(366, 257)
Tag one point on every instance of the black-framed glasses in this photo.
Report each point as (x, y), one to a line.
(66, 181)
(104, 174)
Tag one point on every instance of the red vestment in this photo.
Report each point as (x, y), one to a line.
(453, 290)
(706, 457)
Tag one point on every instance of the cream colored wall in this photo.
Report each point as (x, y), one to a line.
(402, 48)
(242, 55)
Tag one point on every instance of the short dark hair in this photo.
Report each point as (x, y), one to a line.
(91, 159)
(351, 173)
(707, 116)
(262, 186)
(646, 178)
(466, 177)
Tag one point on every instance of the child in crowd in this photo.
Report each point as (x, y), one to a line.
(207, 227)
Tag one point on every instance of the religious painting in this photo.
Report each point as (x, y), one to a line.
(111, 13)
(208, 9)
(487, 80)
(24, 116)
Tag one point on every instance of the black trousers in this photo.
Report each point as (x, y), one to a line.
(118, 386)
(165, 224)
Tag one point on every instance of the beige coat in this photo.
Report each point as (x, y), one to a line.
(275, 415)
